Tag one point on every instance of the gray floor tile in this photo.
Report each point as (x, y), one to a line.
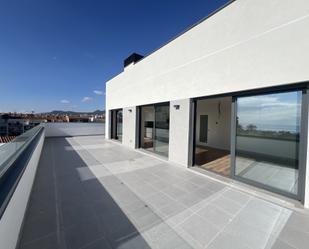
(133, 207)
(99, 244)
(189, 200)
(227, 241)
(189, 239)
(72, 215)
(144, 218)
(299, 222)
(279, 244)
(179, 218)
(105, 207)
(162, 236)
(187, 186)
(199, 180)
(159, 200)
(247, 234)
(51, 241)
(171, 210)
(201, 230)
(38, 227)
(174, 192)
(262, 220)
(145, 191)
(118, 228)
(293, 237)
(146, 204)
(226, 205)
(83, 234)
(161, 185)
(136, 241)
(204, 193)
(215, 216)
(236, 196)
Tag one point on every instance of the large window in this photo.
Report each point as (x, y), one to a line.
(267, 139)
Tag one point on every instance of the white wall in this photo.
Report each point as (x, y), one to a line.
(11, 221)
(129, 127)
(219, 126)
(179, 132)
(73, 129)
(107, 124)
(249, 44)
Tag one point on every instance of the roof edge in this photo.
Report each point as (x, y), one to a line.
(181, 33)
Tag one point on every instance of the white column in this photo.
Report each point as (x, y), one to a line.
(107, 124)
(179, 131)
(129, 126)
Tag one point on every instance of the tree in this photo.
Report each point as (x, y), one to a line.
(251, 127)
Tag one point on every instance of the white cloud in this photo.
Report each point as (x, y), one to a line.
(275, 110)
(86, 99)
(65, 101)
(97, 92)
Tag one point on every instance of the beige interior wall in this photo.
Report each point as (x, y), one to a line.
(219, 121)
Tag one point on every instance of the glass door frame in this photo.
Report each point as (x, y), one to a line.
(113, 124)
(140, 125)
(302, 142)
(193, 131)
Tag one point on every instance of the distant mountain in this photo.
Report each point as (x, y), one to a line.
(60, 112)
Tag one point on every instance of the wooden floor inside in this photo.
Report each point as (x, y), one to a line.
(213, 159)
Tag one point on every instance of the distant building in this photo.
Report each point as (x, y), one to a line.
(14, 124)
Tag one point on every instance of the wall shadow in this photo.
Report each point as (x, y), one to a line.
(65, 212)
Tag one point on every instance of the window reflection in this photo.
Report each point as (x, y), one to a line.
(154, 131)
(119, 125)
(267, 139)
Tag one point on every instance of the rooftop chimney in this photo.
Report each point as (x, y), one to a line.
(132, 59)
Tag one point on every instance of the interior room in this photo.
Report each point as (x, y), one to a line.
(213, 135)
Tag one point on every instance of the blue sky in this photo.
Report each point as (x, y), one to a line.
(55, 53)
(278, 111)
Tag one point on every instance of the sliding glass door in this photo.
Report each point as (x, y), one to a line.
(267, 144)
(161, 129)
(257, 138)
(119, 125)
(116, 124)
(154, 128)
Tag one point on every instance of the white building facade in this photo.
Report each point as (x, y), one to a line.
(229, 95)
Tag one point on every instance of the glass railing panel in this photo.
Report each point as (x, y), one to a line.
(10, 150)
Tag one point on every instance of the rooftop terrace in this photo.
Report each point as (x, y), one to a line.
(92, 193)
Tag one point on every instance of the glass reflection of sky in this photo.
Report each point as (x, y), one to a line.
(277, 112)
